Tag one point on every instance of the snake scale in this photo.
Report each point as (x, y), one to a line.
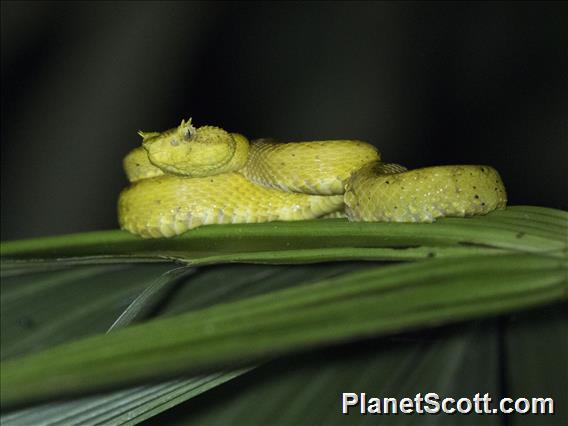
(186, 177)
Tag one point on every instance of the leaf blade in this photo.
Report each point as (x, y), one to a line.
(228, 242)
(374, 302)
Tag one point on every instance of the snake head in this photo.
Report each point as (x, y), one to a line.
(190, 151)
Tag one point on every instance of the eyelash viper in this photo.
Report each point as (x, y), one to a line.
(186, 177)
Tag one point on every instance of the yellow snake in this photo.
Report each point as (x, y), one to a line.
(186, 177)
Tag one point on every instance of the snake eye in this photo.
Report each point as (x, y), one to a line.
(186, 129)
(186, 134)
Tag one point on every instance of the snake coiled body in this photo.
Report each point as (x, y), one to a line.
(187, 177)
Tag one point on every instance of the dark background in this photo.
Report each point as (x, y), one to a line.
(428, 83)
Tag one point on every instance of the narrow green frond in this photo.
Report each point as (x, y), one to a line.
(519, 229)
(125, 407)
(373, 302)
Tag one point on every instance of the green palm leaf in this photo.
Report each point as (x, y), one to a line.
(237, 315)
(517, 228)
